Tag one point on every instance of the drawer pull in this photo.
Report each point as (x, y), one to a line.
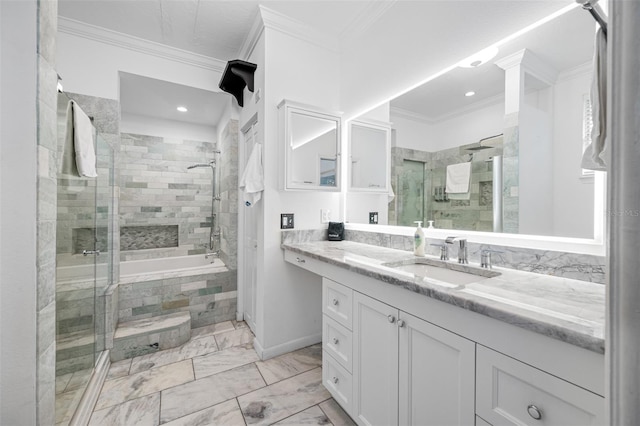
(335, 302)
(534, 412)
(401, 323)
(300, 260)
(335, 341)
(335, 380)
(391, 319)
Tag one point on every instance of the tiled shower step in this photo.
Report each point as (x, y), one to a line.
(145, 336)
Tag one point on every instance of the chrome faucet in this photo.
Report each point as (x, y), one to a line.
(444, 251)
(485, 258)
(462, 248)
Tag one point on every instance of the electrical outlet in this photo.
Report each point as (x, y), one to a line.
(325, 216)
(286, 221)
(373, 218)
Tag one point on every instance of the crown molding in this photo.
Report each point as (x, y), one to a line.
(531, 64)
(580, 70)
(410, 115)
(137, 44)
(280, 22)
(252, 37)
(369, 16)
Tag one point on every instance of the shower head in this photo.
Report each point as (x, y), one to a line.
(211, 163)
(479, 146)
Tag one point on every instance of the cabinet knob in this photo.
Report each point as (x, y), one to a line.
(335, 380)
(335, 341)
(391, 319)
(401, 323)
(335, 302)
(300, 260)
(534, 412)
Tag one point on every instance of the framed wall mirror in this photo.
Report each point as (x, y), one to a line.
(311, 144)
(524, 163)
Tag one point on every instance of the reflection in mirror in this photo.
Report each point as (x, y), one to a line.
(368, 151)
(520, 120)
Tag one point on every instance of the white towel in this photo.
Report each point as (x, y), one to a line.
(458, 178)
(79, 144)
(595, 154)
(252, 181)
(460, 196)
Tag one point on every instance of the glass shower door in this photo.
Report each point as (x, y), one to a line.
(411, 183)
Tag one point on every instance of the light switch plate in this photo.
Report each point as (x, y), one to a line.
(286, 221)
(373, 218)
(325, 215)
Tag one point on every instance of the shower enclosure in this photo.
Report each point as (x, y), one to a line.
(84, 265)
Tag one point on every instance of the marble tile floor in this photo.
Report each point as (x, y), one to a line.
(217, 379)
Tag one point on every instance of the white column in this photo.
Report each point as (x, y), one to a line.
(623, 335)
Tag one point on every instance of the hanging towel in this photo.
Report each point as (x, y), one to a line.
(594, 157)
(391, 195)
(79, 156)
(460, 196)
(458, 178)
(252, 181)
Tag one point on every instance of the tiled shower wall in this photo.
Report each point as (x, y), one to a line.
(46, 213)
(228, 190)
(158, 192)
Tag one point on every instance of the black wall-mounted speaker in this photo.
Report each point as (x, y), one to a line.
(237, 74)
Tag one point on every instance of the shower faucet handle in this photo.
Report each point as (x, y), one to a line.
(88, 252)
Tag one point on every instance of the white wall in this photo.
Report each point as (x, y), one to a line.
(91, 67)
(18, 168)
(142, 125)
(412, 134)
(289, 298)
(573, 196)
(469, 127)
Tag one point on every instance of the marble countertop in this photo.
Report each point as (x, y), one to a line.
(565, 309)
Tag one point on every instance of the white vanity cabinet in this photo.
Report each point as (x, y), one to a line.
(510, 392)
(392, 357)
(404, 370)
(437, 375)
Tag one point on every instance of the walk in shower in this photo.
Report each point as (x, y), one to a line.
(84, 244)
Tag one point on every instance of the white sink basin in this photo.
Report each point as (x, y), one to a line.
(450, 273)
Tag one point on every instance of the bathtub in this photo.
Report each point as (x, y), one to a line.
(205, 288)
(168, 267)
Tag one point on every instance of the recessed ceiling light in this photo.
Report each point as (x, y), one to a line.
(182, 109)
(471, 93)
(479, 58)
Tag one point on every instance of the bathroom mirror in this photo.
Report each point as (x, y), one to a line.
(369, 150)
(460, 117)
(311, 143)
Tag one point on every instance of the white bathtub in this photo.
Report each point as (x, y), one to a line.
(168, 267)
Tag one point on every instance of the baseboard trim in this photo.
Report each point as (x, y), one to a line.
(283, 348)
(83, 413)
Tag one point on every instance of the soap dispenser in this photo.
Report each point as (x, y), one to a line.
(418, 240)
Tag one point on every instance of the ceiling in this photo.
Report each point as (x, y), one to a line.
(218, 29)
(563, 43)
(159, 99)
(212, 28)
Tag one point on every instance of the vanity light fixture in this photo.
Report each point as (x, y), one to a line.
(479, 58)
(182, 108)
(470, 93)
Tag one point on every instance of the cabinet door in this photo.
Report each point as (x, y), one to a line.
(437, 375)
(375, 361)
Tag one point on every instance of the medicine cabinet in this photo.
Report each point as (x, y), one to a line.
(311, 145)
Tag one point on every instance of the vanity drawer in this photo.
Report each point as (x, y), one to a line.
(337, 301)
(509, 392)
(304, 262)
(337, 341)
(338, 381)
